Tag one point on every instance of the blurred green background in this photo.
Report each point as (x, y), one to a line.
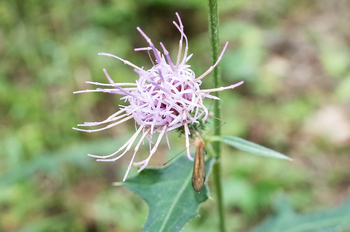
(293, 56)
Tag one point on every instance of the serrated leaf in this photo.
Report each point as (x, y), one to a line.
(169, 194)
(286, 220)
(248, 146)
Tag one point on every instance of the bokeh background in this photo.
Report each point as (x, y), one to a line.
(293, 56)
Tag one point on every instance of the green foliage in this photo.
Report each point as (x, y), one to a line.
(53, 163)
(335, 59)
(283, 49)
(342, 92)
(241, 63)
(248, 146)
(169, 194)
(286, 220)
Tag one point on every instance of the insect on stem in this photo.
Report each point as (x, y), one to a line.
(198, 175)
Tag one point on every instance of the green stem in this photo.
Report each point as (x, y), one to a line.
(217, 180)
(214, 36)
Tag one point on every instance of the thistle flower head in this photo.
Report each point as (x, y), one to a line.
(164, 98)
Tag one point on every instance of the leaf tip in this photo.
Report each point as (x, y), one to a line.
(286, 158)
(117, 184)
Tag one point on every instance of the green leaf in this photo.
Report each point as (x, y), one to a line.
(168, 192)
(248, 146)
(286, 220)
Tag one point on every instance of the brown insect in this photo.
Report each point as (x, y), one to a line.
(198, 175)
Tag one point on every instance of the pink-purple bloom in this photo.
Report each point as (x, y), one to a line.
(164, 98)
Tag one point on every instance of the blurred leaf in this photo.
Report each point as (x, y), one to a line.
(335, 59)
(168, 192)
(243, 61)
(182, 3)
(342, 92)
(243, 196)
(248, 146)
(229, 6)
(46, 224)
(285, 219)
(53, 162)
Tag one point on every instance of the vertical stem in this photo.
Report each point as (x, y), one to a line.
(218, 186)
(214, 36)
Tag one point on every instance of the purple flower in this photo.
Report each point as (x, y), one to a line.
(164, 98)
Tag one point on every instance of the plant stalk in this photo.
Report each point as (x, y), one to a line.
(214, 37)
